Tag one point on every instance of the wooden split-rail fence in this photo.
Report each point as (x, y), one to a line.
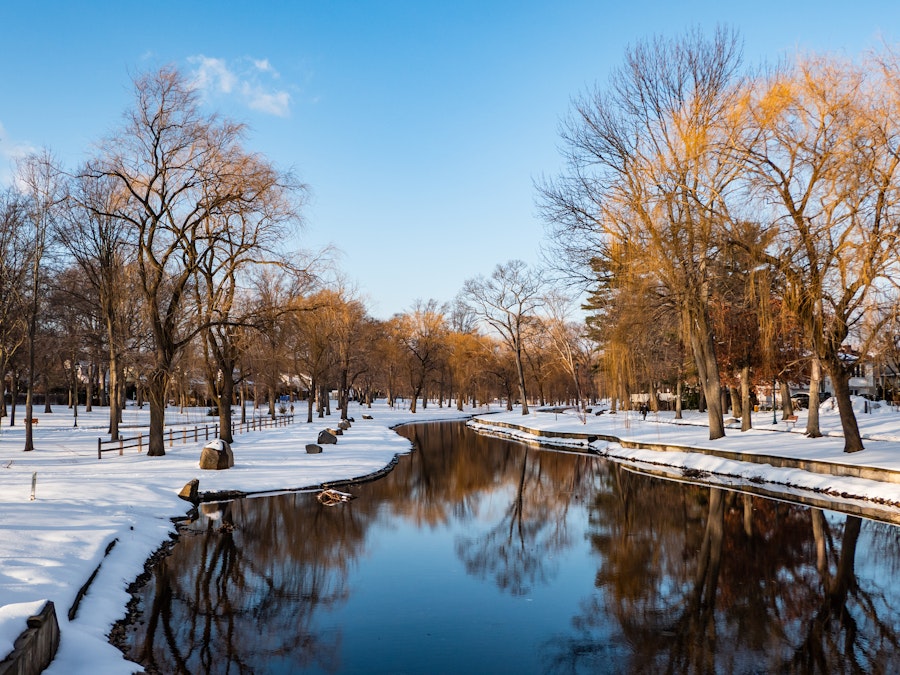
(189, 435)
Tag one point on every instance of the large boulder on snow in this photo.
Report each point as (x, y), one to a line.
(190, 492)
(326, 438)
(313, 449)
(216, 455)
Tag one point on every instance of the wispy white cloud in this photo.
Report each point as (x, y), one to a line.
(264, 66)
(212, 74)
(274, 103)
(249, 81)
(10, 152)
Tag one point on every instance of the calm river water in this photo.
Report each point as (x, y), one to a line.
(478, 555)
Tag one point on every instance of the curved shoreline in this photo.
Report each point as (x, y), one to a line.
(225, 495)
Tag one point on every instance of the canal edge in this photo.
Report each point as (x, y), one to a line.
(583, 442)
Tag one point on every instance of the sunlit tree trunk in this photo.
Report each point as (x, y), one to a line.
(787, 408)
(678, 399)
(815, 379)
(747, 417)
(736, 408)
(840, 380)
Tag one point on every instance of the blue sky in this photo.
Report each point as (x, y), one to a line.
(419, 126)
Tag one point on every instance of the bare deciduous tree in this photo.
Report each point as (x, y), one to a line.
(507, 301)
(98, 243)
(180, 169)
(44, 191)
(645, 170)
(422, 333)
(14, 258)
(822, 142)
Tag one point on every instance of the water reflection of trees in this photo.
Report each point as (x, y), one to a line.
(700, 580)
(239, 595)
(689, 579)
(520, 549)
(244, 589)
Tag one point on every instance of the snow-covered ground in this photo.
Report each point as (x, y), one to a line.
(49, 546)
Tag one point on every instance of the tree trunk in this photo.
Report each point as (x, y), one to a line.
(746, 417)
(310, 400)
(29, 411)
(812, 419)
(343, 394)
(653, 402)
(4, 366)
(840, 379)
(703, 346)
(47, 409)
(678, 400)
(89, 389)
(157, 386)
(14, 395)
(736, 407)
(787, 408)
(121, 391)
(224, 400)
(102, 391)
(75, 395)
(114, 399)
(520, 371)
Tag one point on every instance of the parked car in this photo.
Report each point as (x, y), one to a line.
(800, 400)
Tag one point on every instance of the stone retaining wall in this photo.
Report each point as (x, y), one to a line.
(811, 465)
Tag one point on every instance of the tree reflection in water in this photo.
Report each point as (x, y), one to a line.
(686, 578)
(749, 586)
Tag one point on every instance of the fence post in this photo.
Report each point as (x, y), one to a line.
(195, 433)
(121, 446)
(99, 456)
(140, 443)
(171, 442)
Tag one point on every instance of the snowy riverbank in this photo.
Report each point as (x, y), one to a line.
(767, 441)
(51, 545)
